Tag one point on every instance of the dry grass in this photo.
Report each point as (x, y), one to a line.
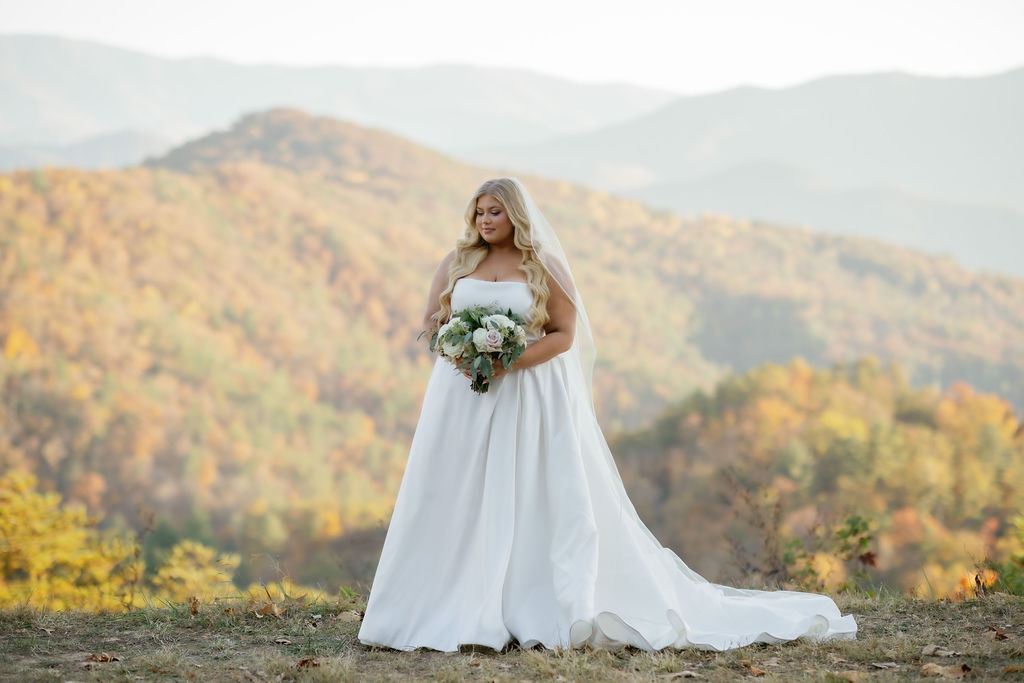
(226, 641)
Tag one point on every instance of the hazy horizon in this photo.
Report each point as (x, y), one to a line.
(685, 48)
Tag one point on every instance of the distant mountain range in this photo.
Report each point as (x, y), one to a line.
(59, 91)
(932, 163)
(935, 164)
(981, 236)
(956, 138)
(105, 150)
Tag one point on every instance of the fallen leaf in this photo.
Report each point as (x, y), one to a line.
(993, 633)
(282, 641)
(102, 657)
(756, 672)
(685, 673)
(951, 671)
(48, 630)
(271, 608)
(308, 662)
(193, 605)
(934, 650)
(885, 665)
(348, 616)
(1015, 669)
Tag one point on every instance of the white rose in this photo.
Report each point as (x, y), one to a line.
(453, 349)
(520, 336)
(487, 340)
(498, 322)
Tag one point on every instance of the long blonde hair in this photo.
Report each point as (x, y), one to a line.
(471, 248)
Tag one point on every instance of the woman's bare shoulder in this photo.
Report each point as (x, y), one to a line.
(441, 274)
(446, 261)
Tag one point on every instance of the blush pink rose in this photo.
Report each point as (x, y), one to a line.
(487, 340)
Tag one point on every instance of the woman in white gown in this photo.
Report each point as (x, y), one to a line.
(511, 521)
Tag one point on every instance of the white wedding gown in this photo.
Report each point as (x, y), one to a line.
(504, 526)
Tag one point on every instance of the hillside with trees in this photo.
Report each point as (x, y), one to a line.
(226, 337)
(763, 475)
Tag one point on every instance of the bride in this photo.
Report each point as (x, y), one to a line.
(511, 521)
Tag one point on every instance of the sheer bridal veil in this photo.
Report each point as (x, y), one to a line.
(580, 368)
(549, 250)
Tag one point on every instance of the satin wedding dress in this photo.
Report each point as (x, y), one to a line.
(503, 529)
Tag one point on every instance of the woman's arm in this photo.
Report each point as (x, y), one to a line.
(558, 335)
(437, 286)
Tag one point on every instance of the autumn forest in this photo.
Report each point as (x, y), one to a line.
(210, 376)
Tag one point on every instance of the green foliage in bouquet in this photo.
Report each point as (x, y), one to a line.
(476, 337)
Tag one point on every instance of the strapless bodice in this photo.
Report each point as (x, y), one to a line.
(504, 293)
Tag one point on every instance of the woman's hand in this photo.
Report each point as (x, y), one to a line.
(499, 370)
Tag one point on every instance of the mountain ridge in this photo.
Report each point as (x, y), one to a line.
(183, 98)
(947, 140)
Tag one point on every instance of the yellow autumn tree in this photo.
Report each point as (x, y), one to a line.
(51, 555)
(194, 569)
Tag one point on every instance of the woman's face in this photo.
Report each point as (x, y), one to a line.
(492, 221)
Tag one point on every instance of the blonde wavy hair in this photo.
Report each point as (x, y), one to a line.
(471, 248)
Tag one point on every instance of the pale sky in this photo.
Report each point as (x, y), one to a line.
(685, 46)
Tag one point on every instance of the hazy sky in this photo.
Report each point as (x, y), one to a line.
(685, 46)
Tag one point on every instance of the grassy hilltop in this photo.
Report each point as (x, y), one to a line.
(226, 641)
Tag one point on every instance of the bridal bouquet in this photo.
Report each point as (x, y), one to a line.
(475, 337)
